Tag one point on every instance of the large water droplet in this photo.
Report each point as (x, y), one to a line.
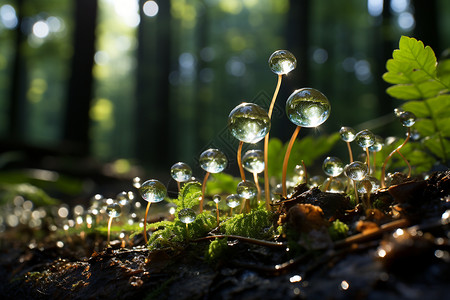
(113, 210)
(356, 170)
(333, 166)
(213, 161)
(153, 191)
(282, 62)
(181, 172)
(248, 122)
(233, 200)
(246, 190)
(378, 145)
(253, 161)
(407, 118)
(307, 107)
(347, 134)
(365, 138)
(187, 215)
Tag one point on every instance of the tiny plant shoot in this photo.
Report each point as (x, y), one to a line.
(281, 62)
(152, 191)
(212, 161)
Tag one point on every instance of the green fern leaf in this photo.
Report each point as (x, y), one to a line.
(416, 78)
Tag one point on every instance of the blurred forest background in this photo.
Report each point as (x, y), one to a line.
(150, 83)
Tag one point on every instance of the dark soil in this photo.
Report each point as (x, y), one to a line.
(377, 261)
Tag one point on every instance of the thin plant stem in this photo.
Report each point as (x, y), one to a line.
(383, 169)
(217, 214)
(374, 162)
(328, 184)
(356, 192)
(286, 159)
(258, 188)
(350, 153)
(109, 229)
(145, 222)
(179, 186)
(203, 191)
(239, 160)
(187, 231)
(231, 211)
(266, 146)
(406, 161)
(306, 172)
(368, 160)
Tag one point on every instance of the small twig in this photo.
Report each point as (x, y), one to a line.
(244, 239)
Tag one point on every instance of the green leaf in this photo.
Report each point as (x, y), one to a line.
(417, 76)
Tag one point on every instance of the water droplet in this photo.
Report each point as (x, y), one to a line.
(282, 62)
(356, 170)
(153, 191)
(187, 215)
(233, 200)
(122, 198)
(113, 210)
(398, 111)
(307, 107)
(253, 161)
(347, 134)
(137, 182)
(335, 186)
(333, 166)
(181, 172)
(213, 161)
(216, 198)
(368, 185)
(316, 180)
(407, 118)
(246, 190)
(249, 123)
(378, 145)
(365, 138)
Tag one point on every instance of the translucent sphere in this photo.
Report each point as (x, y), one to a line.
(122, 198)
(307, 107)
(407, 118)
(335, 186)
(153, 191)
(356, 170)
(299, 170)
(187, 215)
(282, 62)
(368, 185)
(213, 161)
(233, 200)
(316, 180)
(249, 123)
(216, 198)
(181, 172)
(378, 145)
(398, 111)
(333, 166)
(365, 138)
(347, 134)
(253, 161)
(113, 210)
(246, 190)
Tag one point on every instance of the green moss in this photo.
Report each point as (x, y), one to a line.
(217, 249)
(256, 224)
(338, 230)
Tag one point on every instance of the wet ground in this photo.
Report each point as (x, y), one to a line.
(407, 257)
